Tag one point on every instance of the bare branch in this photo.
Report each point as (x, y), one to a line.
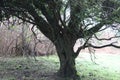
(100, 39)
(81, 47)
(35, 34)
(107, 45)
(94, 29)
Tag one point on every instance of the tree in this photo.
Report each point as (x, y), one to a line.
(64, 22)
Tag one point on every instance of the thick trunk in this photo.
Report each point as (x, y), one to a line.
(67, 67)
(67, 60)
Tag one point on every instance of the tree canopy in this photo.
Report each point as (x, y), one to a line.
(65, 21)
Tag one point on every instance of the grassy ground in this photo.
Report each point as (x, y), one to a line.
(107, 67)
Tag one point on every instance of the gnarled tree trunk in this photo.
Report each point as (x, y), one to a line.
(64, 48)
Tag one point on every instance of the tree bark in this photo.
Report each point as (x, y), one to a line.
(67, 60)
(67, 67)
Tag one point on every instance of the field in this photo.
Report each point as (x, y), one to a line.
(106, 67)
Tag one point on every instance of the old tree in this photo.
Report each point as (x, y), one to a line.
(65, 21)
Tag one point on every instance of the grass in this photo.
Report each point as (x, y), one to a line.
(107, 67)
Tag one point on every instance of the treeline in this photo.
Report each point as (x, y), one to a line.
(18, 38)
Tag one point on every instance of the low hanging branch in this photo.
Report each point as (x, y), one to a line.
(107, 45)
(100, 39)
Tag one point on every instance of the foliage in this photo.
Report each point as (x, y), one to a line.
(65, 21)
(80, 20)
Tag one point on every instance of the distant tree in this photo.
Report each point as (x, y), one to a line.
(64, 22)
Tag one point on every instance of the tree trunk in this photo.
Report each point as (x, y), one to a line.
(67, 60)
(67, 67)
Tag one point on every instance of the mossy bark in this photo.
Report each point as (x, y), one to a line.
(67, 60)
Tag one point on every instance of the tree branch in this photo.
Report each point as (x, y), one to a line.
(107, 45)
(42, 24)
(81, 47)
(93, 30)
(100, 39)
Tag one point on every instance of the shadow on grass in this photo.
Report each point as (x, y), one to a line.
(20, 68)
